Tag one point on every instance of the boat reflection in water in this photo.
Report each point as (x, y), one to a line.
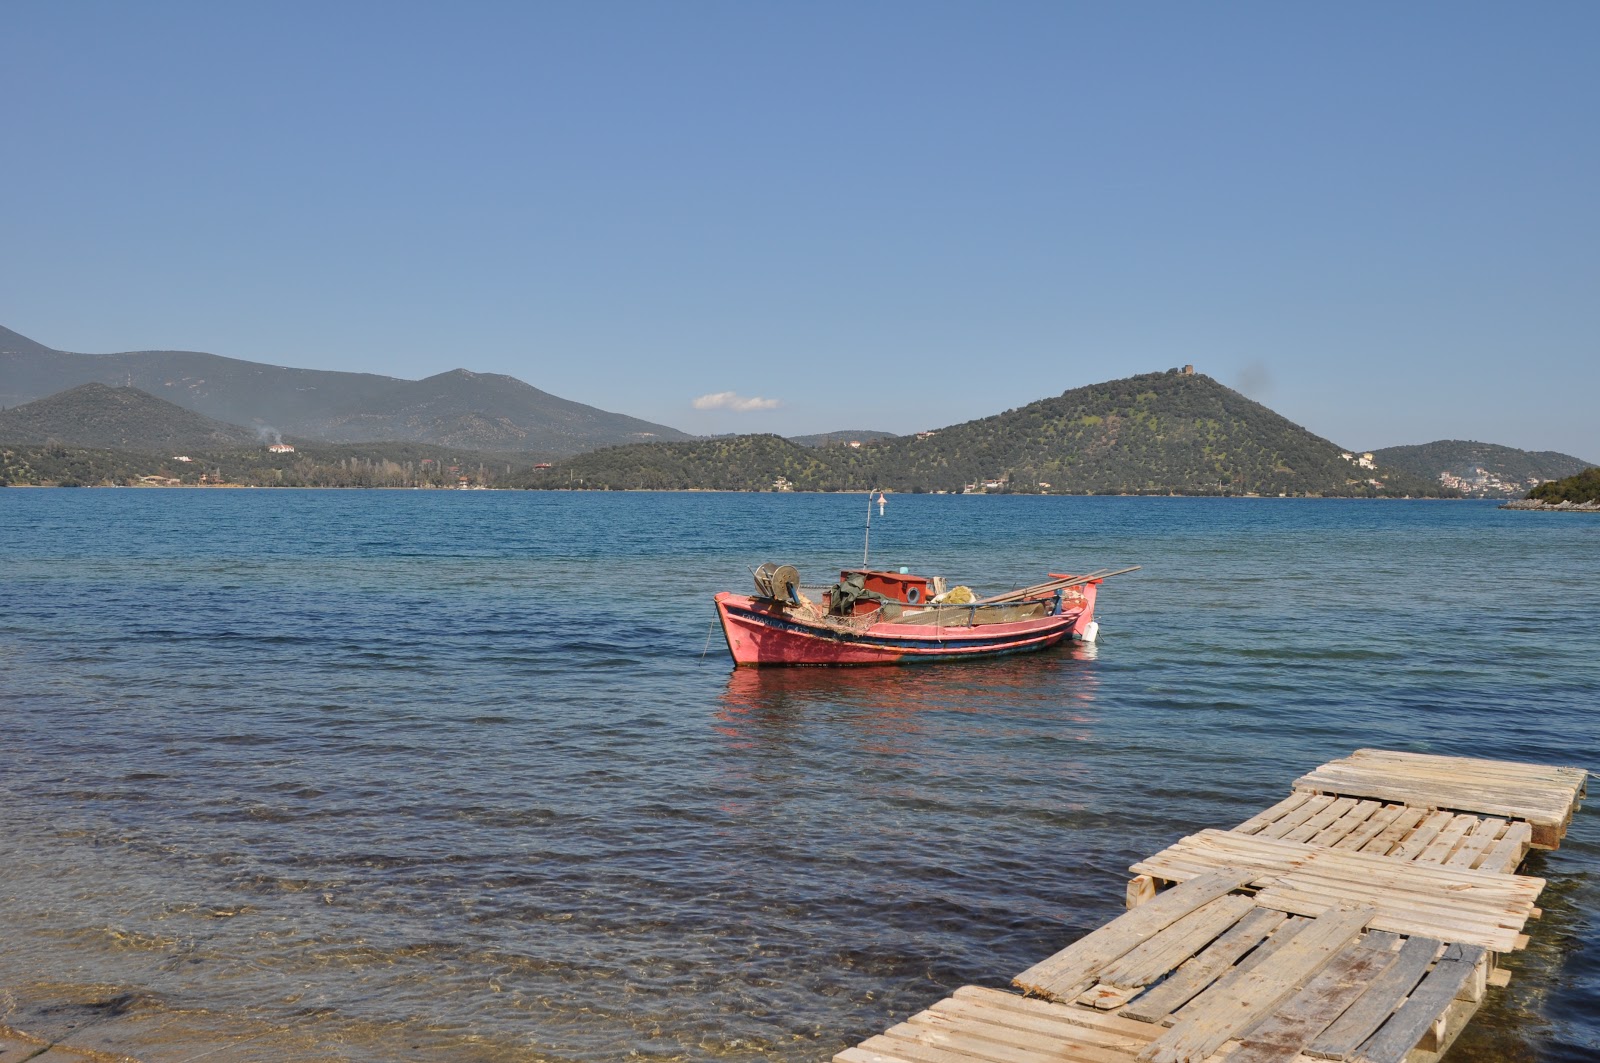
(911, 710)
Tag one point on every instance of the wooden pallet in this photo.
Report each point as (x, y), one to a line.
(1543, 797)
(1357, 924)
(1454, 903)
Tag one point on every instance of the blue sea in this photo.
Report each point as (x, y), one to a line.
(346, 775)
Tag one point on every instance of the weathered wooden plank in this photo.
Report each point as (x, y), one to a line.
(1475, 844)
(1107, 997)
(1373, 1008)
(978, 1034)
(1508, 852)
(1376, 824)
(1145, 963)
(1352, 821)
(1193, 977)
(1417, 1015)
(1392, 835)
(1314, 804)
(1057, 1024)
(1545, 797)
(1480, 932)
(1281, 1035)
(1202, 1031)
(1444, 846)
(1260, 820)
(1419, 839)
(1073, 969)
(1033, 1006)
(1331, 814)
(1279, 940)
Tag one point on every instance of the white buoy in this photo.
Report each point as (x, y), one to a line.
(1090, 633)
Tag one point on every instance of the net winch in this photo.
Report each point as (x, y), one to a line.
(781, 583)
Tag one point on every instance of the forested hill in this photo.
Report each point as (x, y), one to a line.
(96, 415)
(1580, 489)
(1460, 457)
(1158, 433)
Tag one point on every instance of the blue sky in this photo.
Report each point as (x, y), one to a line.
(1381, 220)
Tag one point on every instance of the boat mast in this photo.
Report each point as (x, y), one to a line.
(867, 543)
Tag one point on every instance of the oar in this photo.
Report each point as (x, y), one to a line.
(1057, 584)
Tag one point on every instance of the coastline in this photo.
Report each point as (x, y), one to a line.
(1539, 505)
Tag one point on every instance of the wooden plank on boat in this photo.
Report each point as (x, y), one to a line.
(1280, 1037)
(1199, 972)
(1426, 1006)
(1073, 969)
(1202, 1031)
(1040, 590)
(1373, 1008)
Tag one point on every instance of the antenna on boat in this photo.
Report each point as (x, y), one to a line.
(867, 543)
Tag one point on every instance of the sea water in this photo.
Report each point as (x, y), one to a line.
(468, 775)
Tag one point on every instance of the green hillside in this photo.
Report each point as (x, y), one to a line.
(727, 463)
(1158, 433)
(836, 439)
(1581, 488)
(1507, 470)
(309, 465)
(95, 415)
(458, 408)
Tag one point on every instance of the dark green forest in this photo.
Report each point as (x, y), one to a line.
(1584, 487)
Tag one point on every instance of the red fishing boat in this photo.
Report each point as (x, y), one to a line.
(876, 617)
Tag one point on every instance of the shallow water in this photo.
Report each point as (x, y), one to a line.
(467, 775)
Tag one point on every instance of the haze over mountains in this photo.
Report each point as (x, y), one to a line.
(460, 408)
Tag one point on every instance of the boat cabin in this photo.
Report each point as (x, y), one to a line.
(896, 586)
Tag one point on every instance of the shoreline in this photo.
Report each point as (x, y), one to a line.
(1539, 505)
(737, 491)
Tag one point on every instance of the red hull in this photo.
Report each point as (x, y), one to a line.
(761, 632)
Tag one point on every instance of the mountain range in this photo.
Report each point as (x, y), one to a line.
(460, 408)
(1157, 433)
(1171, 432)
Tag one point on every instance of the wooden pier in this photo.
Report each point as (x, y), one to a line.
(1359, 919)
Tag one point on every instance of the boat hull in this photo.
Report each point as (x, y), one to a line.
(761, 633)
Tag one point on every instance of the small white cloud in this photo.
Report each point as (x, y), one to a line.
(732, 400)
